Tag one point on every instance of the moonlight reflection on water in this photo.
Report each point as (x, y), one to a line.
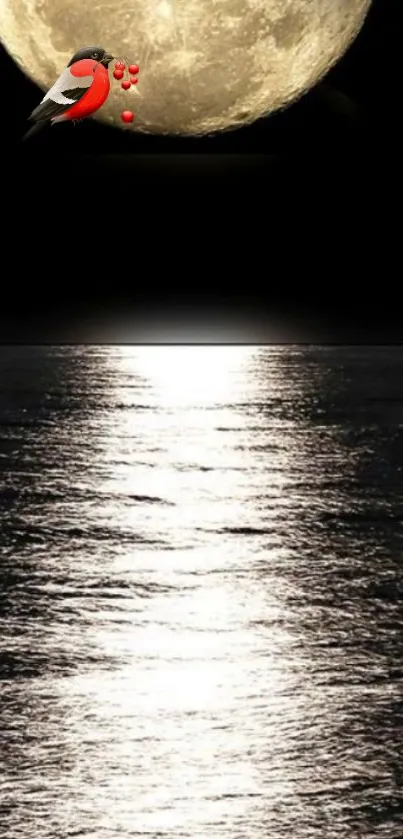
(200, 602)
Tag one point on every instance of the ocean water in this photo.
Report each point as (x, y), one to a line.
(201, 579)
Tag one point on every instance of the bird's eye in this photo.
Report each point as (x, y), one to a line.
(95, 55)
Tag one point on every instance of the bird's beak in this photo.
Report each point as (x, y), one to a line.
(106, 59)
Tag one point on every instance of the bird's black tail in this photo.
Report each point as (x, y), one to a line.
(37, 126)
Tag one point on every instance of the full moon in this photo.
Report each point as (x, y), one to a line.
(205, 65)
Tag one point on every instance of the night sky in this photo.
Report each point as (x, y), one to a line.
(265, 233)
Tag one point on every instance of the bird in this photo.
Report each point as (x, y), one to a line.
(80, 90)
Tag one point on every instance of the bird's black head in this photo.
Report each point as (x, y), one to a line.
(96, 53)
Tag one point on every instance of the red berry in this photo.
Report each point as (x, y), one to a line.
(133, 69)
(118, 74)
(119, 65)
(127, 116)
(125, 85)
(133, 81)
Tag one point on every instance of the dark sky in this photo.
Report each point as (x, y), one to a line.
(285, 229)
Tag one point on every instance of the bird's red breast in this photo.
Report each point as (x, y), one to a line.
(96, 94)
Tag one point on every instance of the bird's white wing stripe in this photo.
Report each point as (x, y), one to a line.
(67, 82)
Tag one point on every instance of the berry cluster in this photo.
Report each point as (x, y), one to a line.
(118, 74)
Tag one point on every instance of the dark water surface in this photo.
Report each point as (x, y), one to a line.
(201, 579)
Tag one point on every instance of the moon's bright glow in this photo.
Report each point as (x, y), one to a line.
(205, 65)
(190, 392)
(188, 375)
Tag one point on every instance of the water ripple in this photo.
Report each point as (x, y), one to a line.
(201, 592)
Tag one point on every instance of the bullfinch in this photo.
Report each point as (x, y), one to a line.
(80, 90)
